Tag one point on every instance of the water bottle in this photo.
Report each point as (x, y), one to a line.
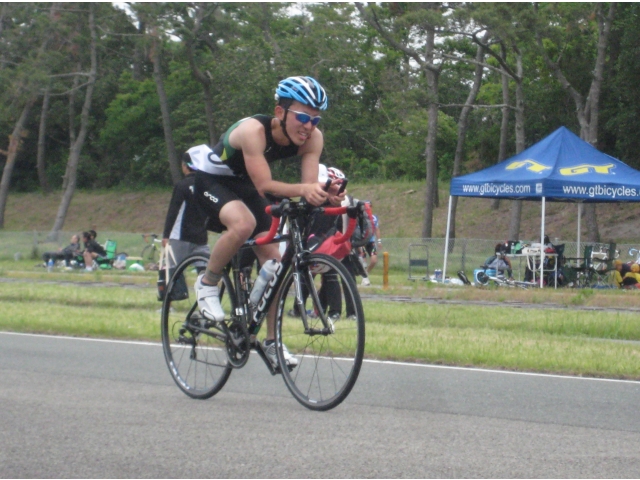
(267, 272)
(50, 265)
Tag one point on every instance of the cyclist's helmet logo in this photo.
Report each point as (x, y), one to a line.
(305, 90)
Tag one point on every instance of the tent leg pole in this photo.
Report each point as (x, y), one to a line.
(446, 240)
(542, 239)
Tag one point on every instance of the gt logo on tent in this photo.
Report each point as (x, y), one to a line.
(529, 164)
(585, 168)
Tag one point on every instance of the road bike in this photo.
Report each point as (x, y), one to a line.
(151, 252)
(499, 279)
(201, 354)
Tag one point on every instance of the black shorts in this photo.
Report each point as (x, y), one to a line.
(215, 191)
(371, 248)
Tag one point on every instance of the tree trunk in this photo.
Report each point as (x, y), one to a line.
(12, 153)
(76, 147)
(463, 123)
(42, 174)
(516, 207)
(504, 128)
(174, 165)
(72, 124)
(138, 54)
(432, 133)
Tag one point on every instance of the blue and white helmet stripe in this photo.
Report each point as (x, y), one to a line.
(305, 90)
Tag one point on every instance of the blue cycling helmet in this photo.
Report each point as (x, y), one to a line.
(305, 90)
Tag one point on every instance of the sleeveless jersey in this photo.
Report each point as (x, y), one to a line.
(225, 160)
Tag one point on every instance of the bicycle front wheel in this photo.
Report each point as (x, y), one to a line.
(194, 348)
(329, 352)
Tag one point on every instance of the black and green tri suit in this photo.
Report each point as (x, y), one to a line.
(222, 176)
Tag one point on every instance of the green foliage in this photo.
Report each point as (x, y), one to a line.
(376, 124)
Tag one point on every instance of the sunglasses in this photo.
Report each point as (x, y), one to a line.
(304, 118)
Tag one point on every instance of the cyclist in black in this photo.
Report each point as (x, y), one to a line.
(185, 227)
(234, 176)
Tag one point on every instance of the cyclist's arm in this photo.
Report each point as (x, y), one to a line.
(251, 138)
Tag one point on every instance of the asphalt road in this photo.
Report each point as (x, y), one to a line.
(81, 408)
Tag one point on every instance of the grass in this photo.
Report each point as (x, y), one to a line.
(560, 340)
(398, 204)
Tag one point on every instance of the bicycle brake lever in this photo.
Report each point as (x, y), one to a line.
(343, 186)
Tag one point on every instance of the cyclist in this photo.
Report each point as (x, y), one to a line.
(233, 178)
(185, 226)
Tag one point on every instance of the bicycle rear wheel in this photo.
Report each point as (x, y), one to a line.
(150, 254)
(194, 348)
(328, 361)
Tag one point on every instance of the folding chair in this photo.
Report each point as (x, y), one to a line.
(579, 270)
(106, 262)
(602, 276)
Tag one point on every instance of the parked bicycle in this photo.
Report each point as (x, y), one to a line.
(499, 279)
(201, 354)
(151, 252)
(635, 253)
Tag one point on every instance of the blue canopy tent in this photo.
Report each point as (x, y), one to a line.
(561, 168)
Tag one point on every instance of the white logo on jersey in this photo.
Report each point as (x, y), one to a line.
(211, 197)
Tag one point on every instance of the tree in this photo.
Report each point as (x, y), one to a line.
(426, 20)
(79, 139)
(27, 78)
(558, 44)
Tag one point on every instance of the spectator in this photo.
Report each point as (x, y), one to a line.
(323, 229)
(500, 262)
(92, 250)
(185, 226)
(67, 253)
(632, 278)
(620, 270)
(371, 249)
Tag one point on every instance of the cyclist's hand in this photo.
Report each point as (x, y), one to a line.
(315, 194)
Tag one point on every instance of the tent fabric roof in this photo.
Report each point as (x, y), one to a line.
(561, 167)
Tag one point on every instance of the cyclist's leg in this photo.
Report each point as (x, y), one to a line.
(227, 213)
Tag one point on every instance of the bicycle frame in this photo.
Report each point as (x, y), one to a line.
(293, 256)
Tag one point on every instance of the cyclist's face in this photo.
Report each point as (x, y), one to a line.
(300, 132)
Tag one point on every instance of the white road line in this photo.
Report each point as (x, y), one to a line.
(381, 362)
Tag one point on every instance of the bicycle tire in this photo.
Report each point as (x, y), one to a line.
(197, 359)
(150, 254)
(328, 363)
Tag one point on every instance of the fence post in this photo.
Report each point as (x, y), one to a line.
(464, 254)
